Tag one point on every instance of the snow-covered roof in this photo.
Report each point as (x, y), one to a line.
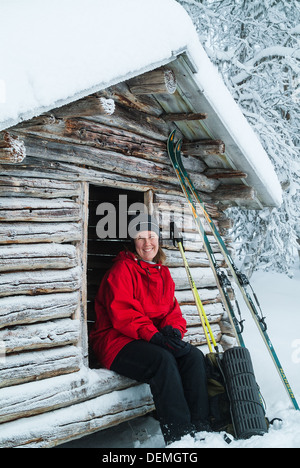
(56, 51)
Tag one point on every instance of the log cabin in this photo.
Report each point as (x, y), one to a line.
(104, 145)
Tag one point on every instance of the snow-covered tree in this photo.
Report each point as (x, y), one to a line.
(255, 44)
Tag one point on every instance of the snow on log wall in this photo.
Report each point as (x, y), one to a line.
(40, 275)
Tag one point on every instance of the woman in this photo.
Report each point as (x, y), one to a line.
(139, 329)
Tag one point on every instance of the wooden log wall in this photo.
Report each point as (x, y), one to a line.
(40, 276)
(49, 257)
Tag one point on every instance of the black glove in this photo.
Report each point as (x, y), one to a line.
(173, 344)
(168, 330)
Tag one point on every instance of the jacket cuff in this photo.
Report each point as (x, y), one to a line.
(147, 333)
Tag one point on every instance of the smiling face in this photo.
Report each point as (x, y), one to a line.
(146, 245)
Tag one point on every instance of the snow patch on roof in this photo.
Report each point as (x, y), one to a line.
(57, 51)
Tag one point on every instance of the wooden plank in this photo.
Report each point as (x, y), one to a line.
(220, 173)
(196, 336)
(203, 147)
(65, 424)
(40, 281)
(178, 116)
(38, 209)
(35, 365)
(214, 313)
(16, 310)
(51, 334)
(202, 276)
(14, 233)
(194, 258)
(159, 81)
(34, 257)
(206, 295)
(111, 161)
(39, 188)
(29, 399)
(233, 193)
(88, 106)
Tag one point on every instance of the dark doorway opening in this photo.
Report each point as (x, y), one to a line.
(109, 208)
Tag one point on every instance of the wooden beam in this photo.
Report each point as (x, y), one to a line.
(176, 117)
(203, 147)
(221, 173)
(159, 81)
(88, 106)
(38, 209)
(34, 257)
(27, 233)
(12, 149)
(40, 282)
(233, 193)
(61, 332)
(37, 187)
(40, 308)
(36, 365)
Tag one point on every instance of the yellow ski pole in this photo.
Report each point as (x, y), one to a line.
(203, 317)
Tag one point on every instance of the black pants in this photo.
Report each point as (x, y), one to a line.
(178, 386)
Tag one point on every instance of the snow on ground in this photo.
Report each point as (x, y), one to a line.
(280, 298)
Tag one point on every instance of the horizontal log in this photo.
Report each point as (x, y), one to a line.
(114, 139)
(40, 335)
(183, 218)
(29, 399)
(176, 117)
(233, 193)
(214, 313)
(40, 282)
(195, 259)
(122, 96)
(65, 424)
(179, 203)
(196, 336)
(64, 171)
(203, 147)
(16, 310)
(113, 143)
(11, 233)
(159, 81)
(37, 187)
(191, 241)
(114, 162)
(12, 149)
(35, 257)
(35, 365)
(38, 209)
(89, 106)
(206, 295)
(225, 174)
(203, 277)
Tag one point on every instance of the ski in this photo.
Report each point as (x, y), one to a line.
(220, 277)
(240, 279)
(177, 239)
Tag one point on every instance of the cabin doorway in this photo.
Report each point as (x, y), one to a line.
(109, 212)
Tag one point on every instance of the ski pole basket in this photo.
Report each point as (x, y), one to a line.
(247, 412)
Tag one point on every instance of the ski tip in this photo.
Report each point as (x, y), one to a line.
(172, 135)
(178, 145)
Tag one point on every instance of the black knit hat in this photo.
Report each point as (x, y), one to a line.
(142, 222)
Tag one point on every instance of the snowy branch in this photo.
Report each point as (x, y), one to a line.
(269, 52)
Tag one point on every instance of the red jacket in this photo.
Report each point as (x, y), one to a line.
(135, 300)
